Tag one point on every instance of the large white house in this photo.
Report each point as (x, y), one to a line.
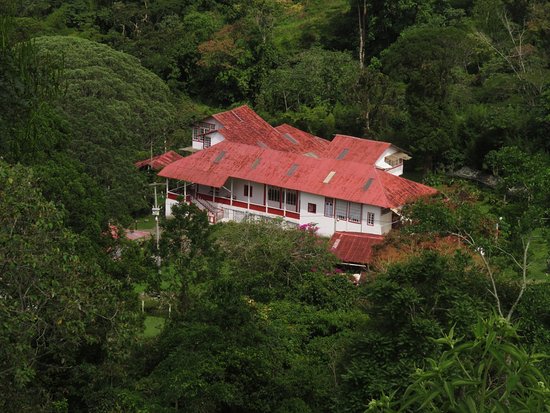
(245, 168)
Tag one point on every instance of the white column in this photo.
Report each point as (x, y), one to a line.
(248, 197)
(231, 195)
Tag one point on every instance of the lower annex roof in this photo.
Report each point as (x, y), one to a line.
(354, 247)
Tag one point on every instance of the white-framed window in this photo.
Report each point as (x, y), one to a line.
(341, 210)
(207, 142)
(354, 212)
(291, 197)
(393, 161)
(370, 218)
(329, 207)
(248, 190)
(200, 129)
(311, 208)
(274, 194)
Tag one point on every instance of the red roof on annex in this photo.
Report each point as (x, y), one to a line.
(160, 161)
(354, 247)
(351, 181)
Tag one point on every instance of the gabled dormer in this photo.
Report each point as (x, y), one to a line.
(206, 133)
(382, 155)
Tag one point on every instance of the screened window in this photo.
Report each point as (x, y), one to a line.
(354, 212)
(394, 161)
(201, 129)
(341, 209)
(370, 218)
(329, 207)
(274, 194)
(291, 197)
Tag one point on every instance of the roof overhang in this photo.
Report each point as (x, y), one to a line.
(398, 155)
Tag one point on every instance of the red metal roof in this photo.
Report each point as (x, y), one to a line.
(160, 161)
(309, 143)
(354, 247)
(243, 125)
(351, 181)
(350, 148)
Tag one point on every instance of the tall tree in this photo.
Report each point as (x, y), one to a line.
(116, 109)
(424, 58)
(59, 310)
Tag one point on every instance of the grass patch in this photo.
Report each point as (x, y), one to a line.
(144, 223)
(306, 18)
(153, 326)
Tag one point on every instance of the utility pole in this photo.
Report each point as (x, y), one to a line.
(156, 213)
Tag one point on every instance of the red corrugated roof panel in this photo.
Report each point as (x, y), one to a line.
(350, 148)
(351, 181)
(307, 142)
(160, 161)
(354, 247)
(243, 125)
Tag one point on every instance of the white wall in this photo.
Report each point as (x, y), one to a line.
(378, 221)
(238, 190)
(380, 163)
(325, 224)
(169, 203)
(328, 225)
(386, 222)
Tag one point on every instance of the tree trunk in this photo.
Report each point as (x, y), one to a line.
(362, 18)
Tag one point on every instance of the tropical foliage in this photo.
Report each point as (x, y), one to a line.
(253, 317)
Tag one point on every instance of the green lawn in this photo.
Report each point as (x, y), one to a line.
(153, 326)
(144, 223)
(309, 16)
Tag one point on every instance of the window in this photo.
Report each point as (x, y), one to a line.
(274, 194)
(354, 212)
(201, 129)
(329, 207)
(341, 210)
(291, 197)
(393, 161)
(207, 142)
(370, 218)
(312, 208)
(248, 190)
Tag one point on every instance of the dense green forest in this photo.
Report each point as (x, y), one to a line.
(251, 317)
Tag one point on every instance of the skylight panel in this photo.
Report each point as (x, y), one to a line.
(219, 157)
(289, 137)
(292, 169)
(311, 155)
(262, 145)
(256, 163)
(329, 177)
(237, 116)
(343, 153)
(368, 184)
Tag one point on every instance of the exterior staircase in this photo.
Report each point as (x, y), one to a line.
(214, 213)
